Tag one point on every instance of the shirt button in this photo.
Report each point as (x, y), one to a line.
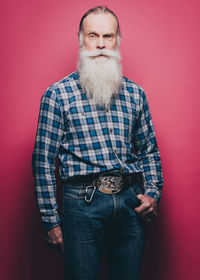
(111, 130)
(115, 151)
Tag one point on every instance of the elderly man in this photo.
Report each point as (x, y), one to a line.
(99, 125)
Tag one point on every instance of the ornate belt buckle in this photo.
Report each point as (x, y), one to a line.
(109, 183)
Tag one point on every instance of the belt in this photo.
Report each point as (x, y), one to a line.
(108, 183)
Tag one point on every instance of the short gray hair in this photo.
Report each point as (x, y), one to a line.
(99, 10)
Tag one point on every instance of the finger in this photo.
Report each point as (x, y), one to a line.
(52, 242)
(139, 209)
(58, 240)
(148, 212)
(143, 207)
(57, 246)
(140, 196)
(148, 216)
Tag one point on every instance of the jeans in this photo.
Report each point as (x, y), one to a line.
(108, 221)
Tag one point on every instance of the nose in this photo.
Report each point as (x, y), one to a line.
(100, 43)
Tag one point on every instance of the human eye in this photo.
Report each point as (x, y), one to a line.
(91, 36)
(109, 36)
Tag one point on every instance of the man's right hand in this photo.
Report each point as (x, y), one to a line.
(55, 238)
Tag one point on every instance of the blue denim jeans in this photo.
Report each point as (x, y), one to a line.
(108, 221)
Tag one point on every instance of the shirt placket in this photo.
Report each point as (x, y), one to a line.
(113, 139)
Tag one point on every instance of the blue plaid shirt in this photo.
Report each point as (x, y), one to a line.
(89, 139)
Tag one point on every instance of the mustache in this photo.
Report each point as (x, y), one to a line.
(101, 52)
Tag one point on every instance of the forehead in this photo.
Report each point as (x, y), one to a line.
(103, 23)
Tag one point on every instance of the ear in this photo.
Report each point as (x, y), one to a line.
(118, 40)
(80, 36)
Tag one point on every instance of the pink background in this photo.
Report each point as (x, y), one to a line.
(160, 50)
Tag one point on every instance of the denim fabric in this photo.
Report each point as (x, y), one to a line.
(108, 221)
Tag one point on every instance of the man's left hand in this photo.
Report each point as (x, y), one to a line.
(148, 208)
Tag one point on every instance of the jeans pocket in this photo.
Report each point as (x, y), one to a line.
(136, 199)
(73, 192)
(73, 199)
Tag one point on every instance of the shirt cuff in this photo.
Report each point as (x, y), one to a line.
(50, 222)
(153, 192)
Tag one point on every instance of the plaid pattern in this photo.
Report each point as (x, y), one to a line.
(89, 139)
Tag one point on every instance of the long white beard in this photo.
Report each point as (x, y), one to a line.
(100, 77)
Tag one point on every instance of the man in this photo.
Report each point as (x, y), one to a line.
(99, 125)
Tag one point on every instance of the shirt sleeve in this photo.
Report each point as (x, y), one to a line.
(48, 138)
(147, 151)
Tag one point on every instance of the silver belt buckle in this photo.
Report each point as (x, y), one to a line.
(109, 183)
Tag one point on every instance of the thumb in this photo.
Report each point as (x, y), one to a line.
(139, 196)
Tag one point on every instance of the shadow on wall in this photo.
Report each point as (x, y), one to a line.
(157, 264)
(31, 258)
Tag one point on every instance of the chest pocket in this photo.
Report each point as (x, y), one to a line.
(81, 120)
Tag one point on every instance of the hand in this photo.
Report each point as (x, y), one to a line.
(148, 208)
(55, 238)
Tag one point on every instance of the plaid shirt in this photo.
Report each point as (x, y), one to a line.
(89, 139)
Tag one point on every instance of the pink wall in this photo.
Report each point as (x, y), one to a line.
(160, 50)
